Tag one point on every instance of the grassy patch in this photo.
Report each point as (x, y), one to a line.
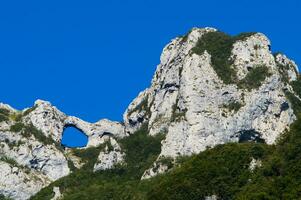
(2, 197)
(4, 114)
(177, 116)
(219, 45)
(4, 111)
(297, 86)
(17, 127)
(88, 156)
(10, 161)
(254, 78)
(3, 118)
(16, 116)
(233, 106)
(28, 130)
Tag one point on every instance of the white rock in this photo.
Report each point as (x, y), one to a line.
(187, 100)
(18, 184)
(254, 164)
(110, 156)
(57, 193)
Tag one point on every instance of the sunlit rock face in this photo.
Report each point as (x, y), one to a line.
(31, 154)
(189, 101)
(195, 99)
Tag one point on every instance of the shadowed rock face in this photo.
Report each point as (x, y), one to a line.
(191, 99)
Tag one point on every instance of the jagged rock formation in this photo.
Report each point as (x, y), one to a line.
(197, 98)
(197, 108)
(31, 154)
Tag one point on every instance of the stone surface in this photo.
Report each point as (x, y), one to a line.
(18, 183)
(57, 193)
(110, 156)
(187, 101)
(44, 158)
(254, 164)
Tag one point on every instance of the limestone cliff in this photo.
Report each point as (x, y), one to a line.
(210, 88)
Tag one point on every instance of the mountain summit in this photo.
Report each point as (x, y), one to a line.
(209, 89)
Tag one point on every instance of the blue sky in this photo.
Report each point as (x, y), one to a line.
(91, 58)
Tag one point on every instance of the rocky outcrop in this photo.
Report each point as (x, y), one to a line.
(52, 122)
(189, 101)
(110, 156)
(197, 98)
(31, 155)
(19, 183)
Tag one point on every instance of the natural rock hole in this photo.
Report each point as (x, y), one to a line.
(73, 137)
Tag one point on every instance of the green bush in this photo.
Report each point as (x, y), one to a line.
(2, 197)
(28, 130)
(88, 156)
(4, 112)
(233, 106)
(297, 86)
(17, 127)
(3, 118)
(10, 161)
(39, 135)
(254, 78)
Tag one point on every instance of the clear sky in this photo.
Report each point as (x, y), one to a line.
(91, 58)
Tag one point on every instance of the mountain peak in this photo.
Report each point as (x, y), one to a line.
(209, 89)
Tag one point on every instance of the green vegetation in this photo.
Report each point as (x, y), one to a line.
(177, 116)
(17, 127)
(219, 46)
(283, 70)
(166, 161)
(4, 113)
(13, 143)
(233, 106)
(88, 156)
(2, 197)
(185, 37)
(121, 182)
(222, 170)
(297, 86)
(254, 78)
(10, 161)
(3, 118)
(17, 116)
(29, 130)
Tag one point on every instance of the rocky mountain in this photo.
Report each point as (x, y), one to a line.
(209, 89)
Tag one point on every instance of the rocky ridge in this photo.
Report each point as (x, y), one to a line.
(196, 98)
